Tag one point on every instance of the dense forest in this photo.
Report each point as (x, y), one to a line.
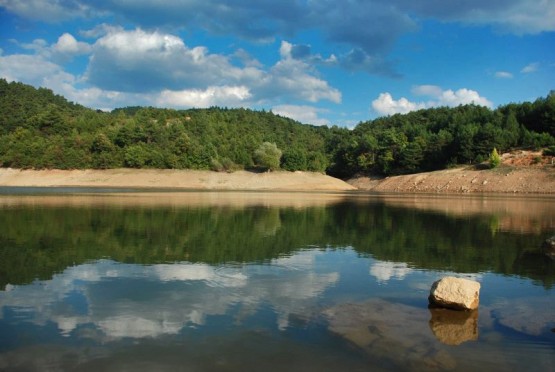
(39, 129)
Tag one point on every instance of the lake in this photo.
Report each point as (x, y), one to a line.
(112, 280)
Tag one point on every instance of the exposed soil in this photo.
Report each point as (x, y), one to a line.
(169, 178)
(519, 172)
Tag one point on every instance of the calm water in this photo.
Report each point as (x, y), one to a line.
(203, 281)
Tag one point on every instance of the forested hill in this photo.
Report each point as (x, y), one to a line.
(41, 130)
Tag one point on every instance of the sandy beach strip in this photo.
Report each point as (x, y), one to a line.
(171, 178)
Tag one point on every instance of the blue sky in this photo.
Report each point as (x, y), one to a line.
(317, 61)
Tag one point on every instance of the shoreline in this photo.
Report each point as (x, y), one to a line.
(457, 181)
(171, 179)
(505, 180)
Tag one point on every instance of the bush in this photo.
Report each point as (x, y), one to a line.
(494, 159)
(268, 156)
(550, 151)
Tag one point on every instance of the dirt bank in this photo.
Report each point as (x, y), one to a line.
(169, 178)
(520, 172)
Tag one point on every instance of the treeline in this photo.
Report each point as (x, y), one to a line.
(41, 130)
(438, 138)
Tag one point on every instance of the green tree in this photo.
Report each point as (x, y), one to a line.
(294, 159)
(268, 156)
(494, 159)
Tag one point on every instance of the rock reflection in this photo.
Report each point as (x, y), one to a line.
(453, 327)
(378, 327)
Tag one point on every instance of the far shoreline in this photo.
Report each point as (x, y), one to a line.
(141, 180)
(458, 181)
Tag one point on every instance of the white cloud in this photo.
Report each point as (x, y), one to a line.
(161, 60)
(67, 45)
(202, 98)
(194, 77)
(38, 45)
(171, 73)
(385, 104)
(532, 67)
(461, 97)
(33, 70)
(64, 49)
(294, 78)
(368, 28)
(302, 113)
(503, 75)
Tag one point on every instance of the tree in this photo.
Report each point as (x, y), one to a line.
(294, 159)
(268, 156)
(494, 159)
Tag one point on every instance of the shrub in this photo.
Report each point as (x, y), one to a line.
(494, 159)
(268, 156)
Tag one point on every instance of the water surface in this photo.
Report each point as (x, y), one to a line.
(201, 281)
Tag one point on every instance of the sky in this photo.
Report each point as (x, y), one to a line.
(320, 62)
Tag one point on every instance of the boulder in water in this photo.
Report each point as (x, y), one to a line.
(455, 293)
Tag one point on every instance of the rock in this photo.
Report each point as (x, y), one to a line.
(548, 247)
(455, 293)
(454, 327)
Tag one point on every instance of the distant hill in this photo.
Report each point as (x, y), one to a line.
(41, 130)
(20, 102)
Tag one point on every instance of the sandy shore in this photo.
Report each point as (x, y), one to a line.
(507, 179)
(170, 178)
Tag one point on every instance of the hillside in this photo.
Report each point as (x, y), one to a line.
(40, 130)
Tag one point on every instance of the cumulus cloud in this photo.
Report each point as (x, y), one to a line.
(460, 97)
(33, 70)
(202, 98)
(63, 50)
(161, 60)
(171, 73)
(385, 104)
(302, 113)
(67, 45)
(188, 77)
(367, 24)
(37, 71)
(297, 79)
(503, 75)
(359, 32)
